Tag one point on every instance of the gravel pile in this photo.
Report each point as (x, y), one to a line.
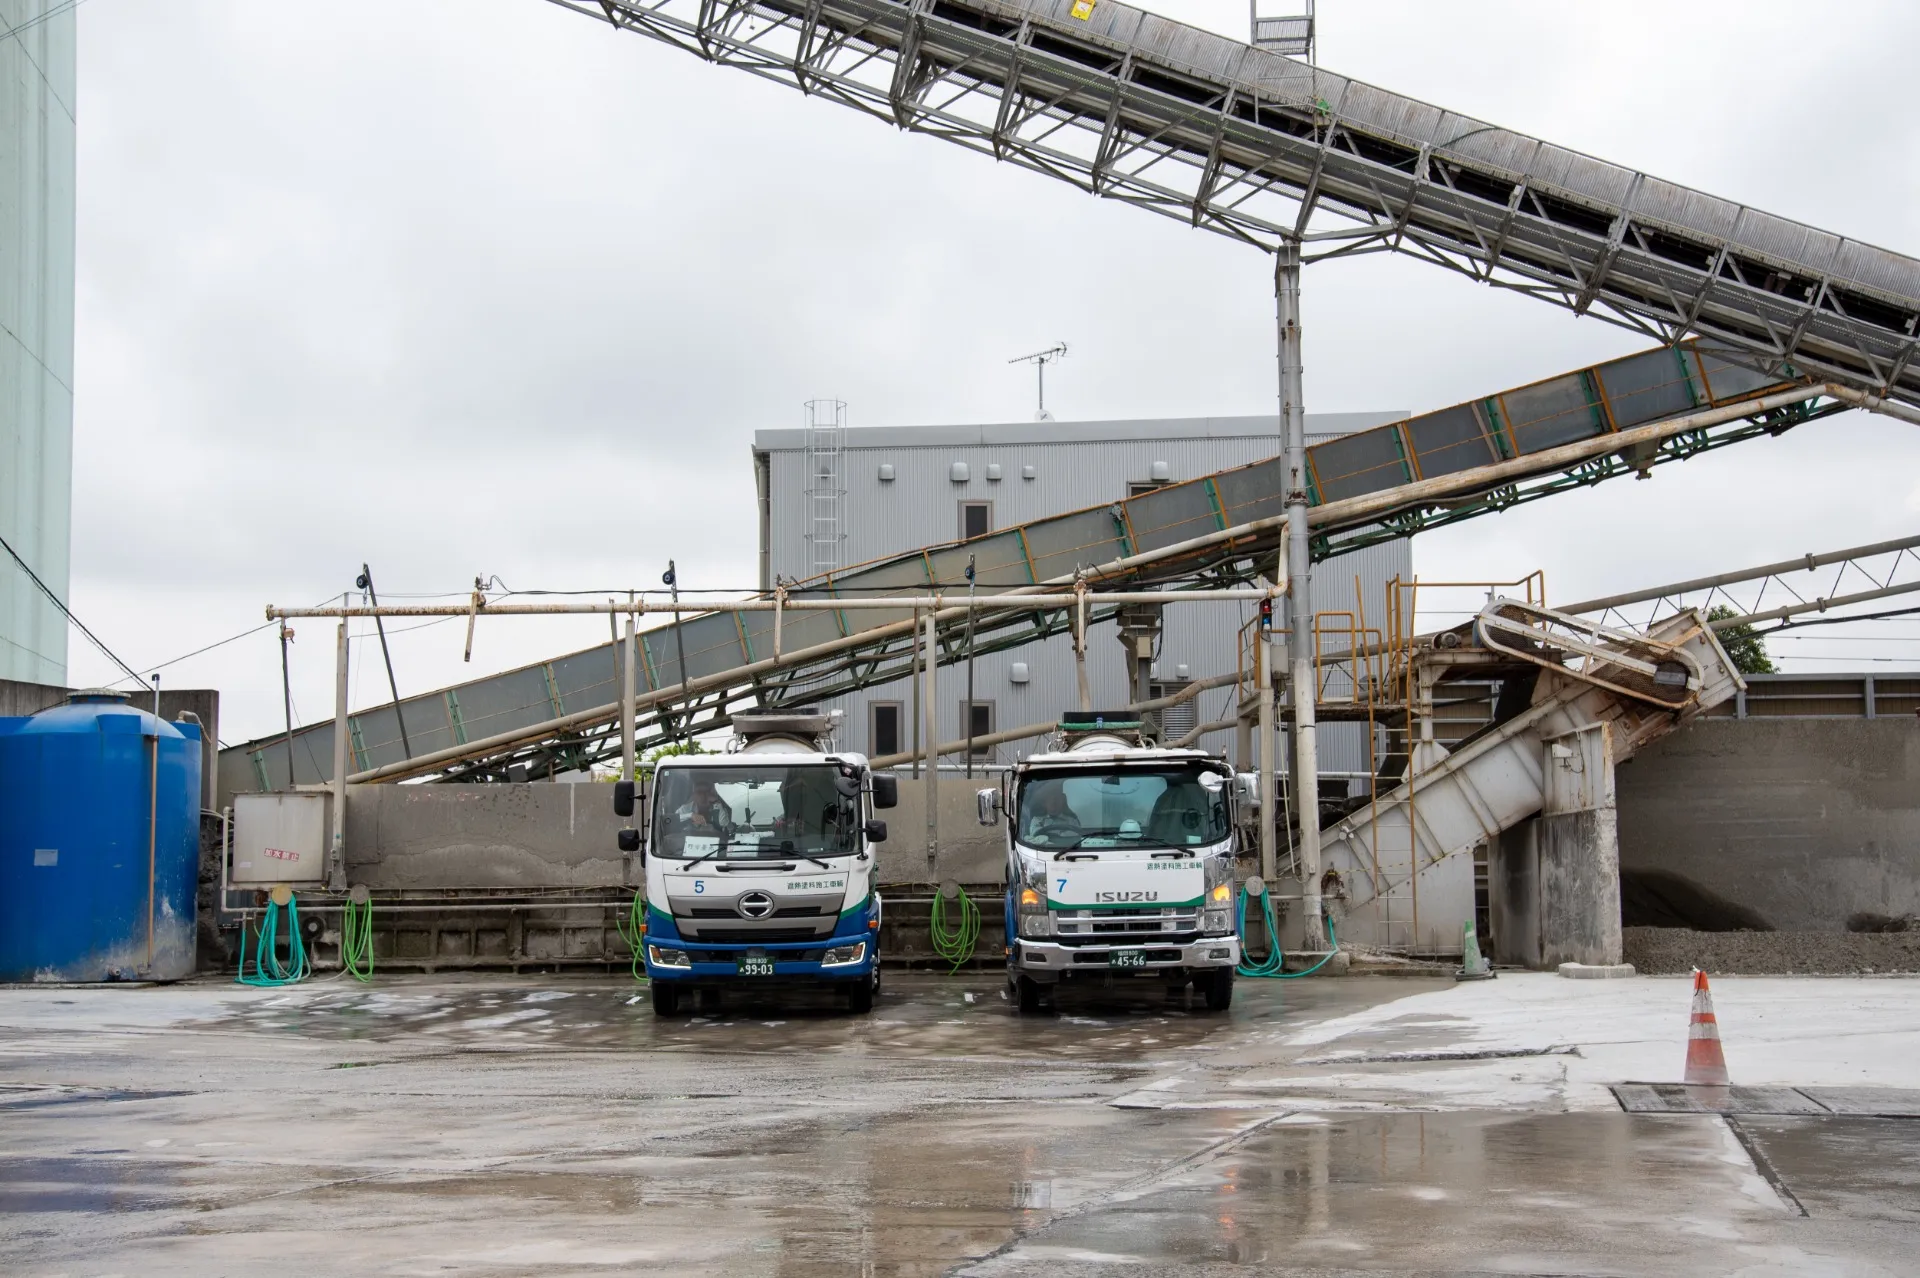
(1671, 949)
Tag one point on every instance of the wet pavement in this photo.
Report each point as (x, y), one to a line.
(526, 1125)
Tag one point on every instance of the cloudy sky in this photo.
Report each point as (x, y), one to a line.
(486, 288)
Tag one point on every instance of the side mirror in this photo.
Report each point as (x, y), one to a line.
(629, 840)
(876, 831)
(988, 802)
(886, 790)
(623, 802)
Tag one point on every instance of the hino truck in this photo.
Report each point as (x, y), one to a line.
(1120, 864)
(760, 865)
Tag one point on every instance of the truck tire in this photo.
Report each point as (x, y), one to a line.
(666, 999)
(860, 998)
(1219, 989)
(1028, 992)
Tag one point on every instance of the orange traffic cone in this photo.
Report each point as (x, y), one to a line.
(1706, 1063)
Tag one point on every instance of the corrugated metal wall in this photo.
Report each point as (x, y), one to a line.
(1074, 465)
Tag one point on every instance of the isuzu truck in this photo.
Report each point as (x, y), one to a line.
(760, 865)
(1120, 864)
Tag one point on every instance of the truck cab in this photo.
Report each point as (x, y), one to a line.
(1120, 864)
(760, 865)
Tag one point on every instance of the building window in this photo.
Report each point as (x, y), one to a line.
(1137, 486)
(976, 518)
(883, 728)
(982, 726)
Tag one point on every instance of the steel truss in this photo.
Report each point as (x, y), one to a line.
(1252, 145)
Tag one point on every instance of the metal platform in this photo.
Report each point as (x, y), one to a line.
(1254, 145)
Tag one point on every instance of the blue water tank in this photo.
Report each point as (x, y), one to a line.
(99, 843)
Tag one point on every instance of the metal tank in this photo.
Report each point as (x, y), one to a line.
(99, 843)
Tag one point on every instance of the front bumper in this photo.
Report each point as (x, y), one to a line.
(1049, 959)
(713, 963)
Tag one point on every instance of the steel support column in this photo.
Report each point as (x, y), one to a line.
(1305, 779)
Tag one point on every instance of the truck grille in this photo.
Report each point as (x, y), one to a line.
(755, 935)
(784, 912)
(1110, 925)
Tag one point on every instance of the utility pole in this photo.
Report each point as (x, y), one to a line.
(1040, 359)
(1305, 781)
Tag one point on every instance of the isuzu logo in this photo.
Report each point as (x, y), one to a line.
(754, 905)
(1118, 898)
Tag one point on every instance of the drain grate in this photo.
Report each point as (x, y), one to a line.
(1686, 1098)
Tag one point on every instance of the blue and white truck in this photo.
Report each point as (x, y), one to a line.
(760, 865)
(1120, 864)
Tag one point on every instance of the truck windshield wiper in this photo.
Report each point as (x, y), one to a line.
(718, 849)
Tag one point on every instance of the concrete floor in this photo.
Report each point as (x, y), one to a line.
(524, 1125)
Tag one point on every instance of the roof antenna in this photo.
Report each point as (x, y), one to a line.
(1040, 359)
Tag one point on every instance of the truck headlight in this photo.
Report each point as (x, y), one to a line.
(1036, 925)
(668, 958)
(1216, 922)
(843, 955)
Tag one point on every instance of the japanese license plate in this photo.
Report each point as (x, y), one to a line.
(756, 965)
(1127, 958)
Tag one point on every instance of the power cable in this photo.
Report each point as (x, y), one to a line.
(78, 624)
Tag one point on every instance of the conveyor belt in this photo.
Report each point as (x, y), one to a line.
(1458, 463)
(1251, 144)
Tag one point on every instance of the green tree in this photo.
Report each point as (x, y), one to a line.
(1748, 650)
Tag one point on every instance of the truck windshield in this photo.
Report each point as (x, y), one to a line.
(765, 812)
(1131, 808)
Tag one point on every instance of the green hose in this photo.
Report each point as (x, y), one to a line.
(955, 945)
(634, 933)
(356, 939)
(1274, 964)
(268, 970)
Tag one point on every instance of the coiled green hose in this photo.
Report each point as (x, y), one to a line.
(1274, 964)
(268, 970)
(634, 932)
(955, 946)
(356, 939)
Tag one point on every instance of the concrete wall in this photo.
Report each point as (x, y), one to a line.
(537, 835)
(968, 851)
(1805, 821)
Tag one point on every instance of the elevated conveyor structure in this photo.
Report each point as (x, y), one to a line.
(1419, 838)
(1582, 427)
(1254, 145)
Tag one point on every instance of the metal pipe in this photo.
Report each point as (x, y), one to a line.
(153, 834)
(930, 702)
(1080, 646)
(948, 605)
(913, 756)
(919, 715)
(1806, 563)
(337, 860)
(373, 597)
(1305, 778)
(1872, 403)
(971, 614)
(627, 709)
(286, 692)
(1269, 791)
(679, 633)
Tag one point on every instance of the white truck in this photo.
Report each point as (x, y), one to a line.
(1120, 863)
(759, 865)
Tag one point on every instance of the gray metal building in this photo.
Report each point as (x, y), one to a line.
(843, 496)
(37, 76)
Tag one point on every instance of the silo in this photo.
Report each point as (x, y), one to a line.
(36, 345)
(99, 843)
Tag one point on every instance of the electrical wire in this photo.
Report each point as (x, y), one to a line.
(955, 945)
(78, 624)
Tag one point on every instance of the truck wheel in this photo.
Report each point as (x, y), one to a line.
(666, 999)
(860, 998)
(1029, 994)
(1219, 989)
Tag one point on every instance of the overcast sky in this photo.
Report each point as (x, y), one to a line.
(487, 288)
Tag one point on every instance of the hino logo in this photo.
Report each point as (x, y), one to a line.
(1116, 898)
(754, 905)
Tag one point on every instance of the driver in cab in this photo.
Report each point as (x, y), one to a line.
(1054, 819)
(705, 813)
